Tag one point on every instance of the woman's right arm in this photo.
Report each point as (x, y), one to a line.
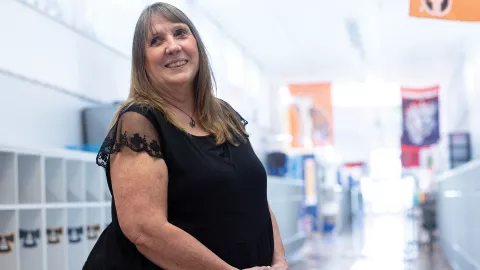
(140, 183)
(140, 189)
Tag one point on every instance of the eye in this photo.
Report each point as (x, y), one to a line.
(181, 32)
(155, 41)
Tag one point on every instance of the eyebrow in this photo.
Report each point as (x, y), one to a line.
(176, 26)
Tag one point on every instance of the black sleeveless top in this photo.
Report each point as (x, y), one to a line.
(216, 193)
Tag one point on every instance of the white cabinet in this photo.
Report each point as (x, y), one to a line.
(53, 207)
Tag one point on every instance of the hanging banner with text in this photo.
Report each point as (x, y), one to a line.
(454, 10)
(311, 115)
(420, 125)
(410, 156)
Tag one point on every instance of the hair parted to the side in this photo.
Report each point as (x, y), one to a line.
(215, 116)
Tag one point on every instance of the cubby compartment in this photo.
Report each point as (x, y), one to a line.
(94, 226)
(106, 191)
(76, 238)
(7, 178)
(57, 239)
(94, 182)
(30, 239)
(29, 179)
(55, 180)
(107, 216)
(75, 181)
(8, 240)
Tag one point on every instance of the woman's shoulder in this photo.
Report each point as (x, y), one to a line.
(150, 112)
(135, 127)
(140, 108)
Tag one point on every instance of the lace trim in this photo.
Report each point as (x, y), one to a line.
(136, 143)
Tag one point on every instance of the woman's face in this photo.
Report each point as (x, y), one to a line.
(171, 54)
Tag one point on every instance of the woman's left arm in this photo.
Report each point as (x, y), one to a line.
(279, 260)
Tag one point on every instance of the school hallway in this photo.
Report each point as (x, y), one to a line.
(376, 242)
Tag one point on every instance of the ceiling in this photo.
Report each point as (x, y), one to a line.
(349, 40)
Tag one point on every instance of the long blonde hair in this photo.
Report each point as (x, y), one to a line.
(215, 116)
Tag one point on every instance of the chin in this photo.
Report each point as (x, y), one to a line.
(180, 79)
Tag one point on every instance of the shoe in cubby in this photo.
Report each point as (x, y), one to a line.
(94, 226)
(30, 239)
(57, 239)
(9, 252)
(76, 238)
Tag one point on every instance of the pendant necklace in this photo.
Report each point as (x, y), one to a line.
(192, 122)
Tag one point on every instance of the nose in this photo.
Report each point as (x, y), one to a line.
(173, 47)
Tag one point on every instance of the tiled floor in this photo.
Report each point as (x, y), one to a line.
(375, 243)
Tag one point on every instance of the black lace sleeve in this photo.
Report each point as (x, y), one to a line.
(133, 130)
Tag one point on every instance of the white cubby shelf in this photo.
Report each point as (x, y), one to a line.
(54, 204)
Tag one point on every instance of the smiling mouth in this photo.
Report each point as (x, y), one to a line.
(177, 64)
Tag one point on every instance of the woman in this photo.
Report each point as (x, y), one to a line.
(188, 190)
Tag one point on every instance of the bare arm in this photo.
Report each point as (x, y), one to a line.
(140, 188)
(140, 184)
(278, 250)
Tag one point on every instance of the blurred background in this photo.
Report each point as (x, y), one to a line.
(363, 112)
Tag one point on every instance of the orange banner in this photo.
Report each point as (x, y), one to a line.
(319, 114)
(454, 10)
(294, 120)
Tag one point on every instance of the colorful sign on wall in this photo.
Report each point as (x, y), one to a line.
(455, 10)
(294, 121)
(421, 125)
(410, 156)
(320, 114)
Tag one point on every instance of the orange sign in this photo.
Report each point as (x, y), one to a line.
(455, 10)
(294, 120)
(320, 113)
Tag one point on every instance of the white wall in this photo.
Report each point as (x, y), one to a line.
(36, 116)
(39, 48)
(48, 73)
(454, 100)
(458, 218)
(473, 97)
(459, 110)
